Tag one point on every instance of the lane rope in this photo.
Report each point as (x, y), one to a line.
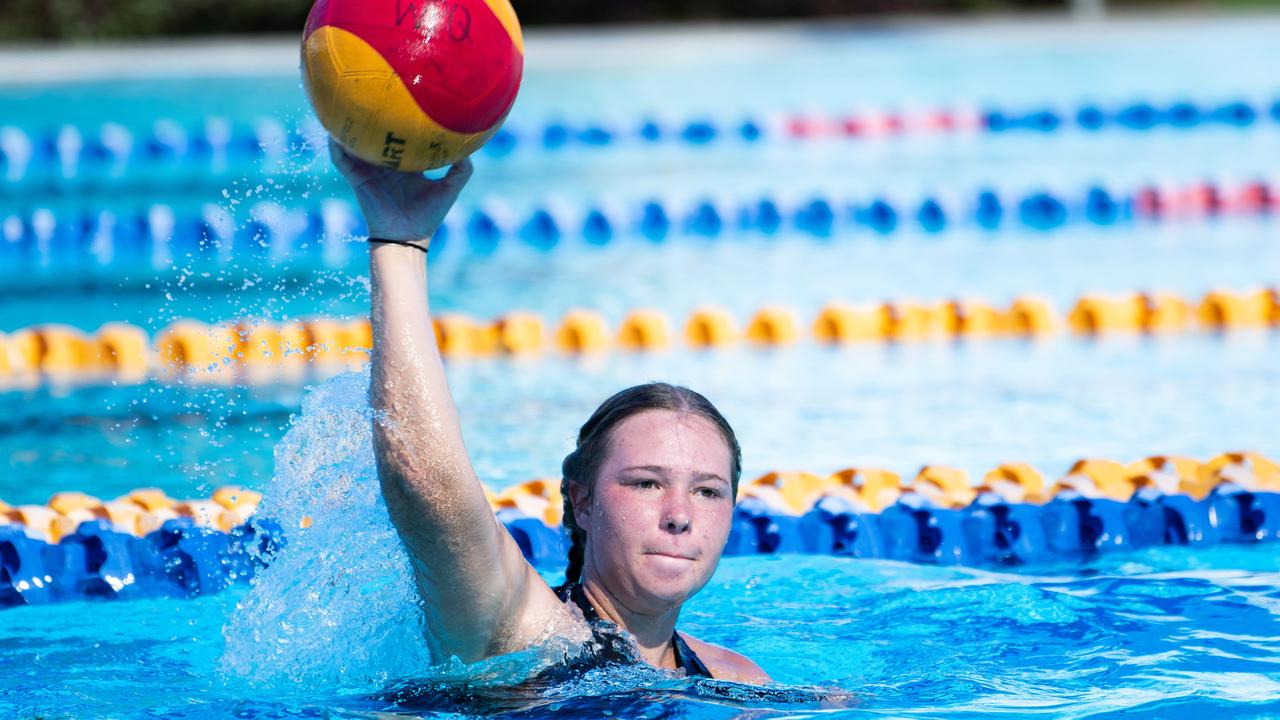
(159, 237)
(145, 544)
(115, 153)
(262, 351)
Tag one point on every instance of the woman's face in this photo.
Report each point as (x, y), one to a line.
(660, 511)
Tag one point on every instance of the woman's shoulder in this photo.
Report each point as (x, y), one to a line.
(725, 664)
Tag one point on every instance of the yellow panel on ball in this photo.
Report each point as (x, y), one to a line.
(506, 15)
(365, 105)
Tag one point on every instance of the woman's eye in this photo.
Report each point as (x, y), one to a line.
(709, 493)
(646, 484)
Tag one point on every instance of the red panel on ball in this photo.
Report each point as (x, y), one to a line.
(454, 56)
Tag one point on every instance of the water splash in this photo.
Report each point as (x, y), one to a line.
(337, 605)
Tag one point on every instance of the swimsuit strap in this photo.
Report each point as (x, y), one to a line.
(686, 658)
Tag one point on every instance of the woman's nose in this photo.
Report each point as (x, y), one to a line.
(676, 514)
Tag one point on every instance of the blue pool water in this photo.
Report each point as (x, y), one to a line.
(1169, 632)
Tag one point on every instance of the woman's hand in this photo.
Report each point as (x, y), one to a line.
(399, 205)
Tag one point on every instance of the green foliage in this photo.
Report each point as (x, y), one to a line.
(100, 19)
(108, 19)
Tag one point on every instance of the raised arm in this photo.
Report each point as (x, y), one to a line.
(481, 598)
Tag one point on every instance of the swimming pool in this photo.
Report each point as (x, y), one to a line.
(1158, 632)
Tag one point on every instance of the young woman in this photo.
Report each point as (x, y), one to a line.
(649, 491)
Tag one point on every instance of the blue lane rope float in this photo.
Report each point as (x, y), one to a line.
(113, 152)
(80, 548)
(180, 559)
(141, 545)
(160, 237)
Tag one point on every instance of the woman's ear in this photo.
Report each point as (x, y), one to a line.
(580, 497)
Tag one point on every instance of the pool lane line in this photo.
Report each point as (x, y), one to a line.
(158, 237)
(145, 544)
(262, 351)
(114, 151)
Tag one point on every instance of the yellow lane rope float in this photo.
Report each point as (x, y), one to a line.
(865, 489)
(145, 544)
(136, 513)
(248, 351)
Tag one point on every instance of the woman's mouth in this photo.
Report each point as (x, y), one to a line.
(674, 556)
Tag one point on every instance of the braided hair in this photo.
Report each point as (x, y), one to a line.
(582, 465)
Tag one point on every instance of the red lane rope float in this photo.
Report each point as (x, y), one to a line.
(155, 236)
(261, 351)
(67, 153)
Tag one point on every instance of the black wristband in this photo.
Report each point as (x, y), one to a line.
(406, 243)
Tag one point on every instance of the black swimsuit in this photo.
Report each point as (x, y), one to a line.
(605, 634)
(610, 648)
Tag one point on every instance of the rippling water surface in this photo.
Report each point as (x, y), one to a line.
(1168, 633)
(333, 624)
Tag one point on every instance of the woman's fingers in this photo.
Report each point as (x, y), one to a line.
(356, 169)
(353, 168)
(454, 180)
(399, 205)
(460, 171)
(339, 156)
